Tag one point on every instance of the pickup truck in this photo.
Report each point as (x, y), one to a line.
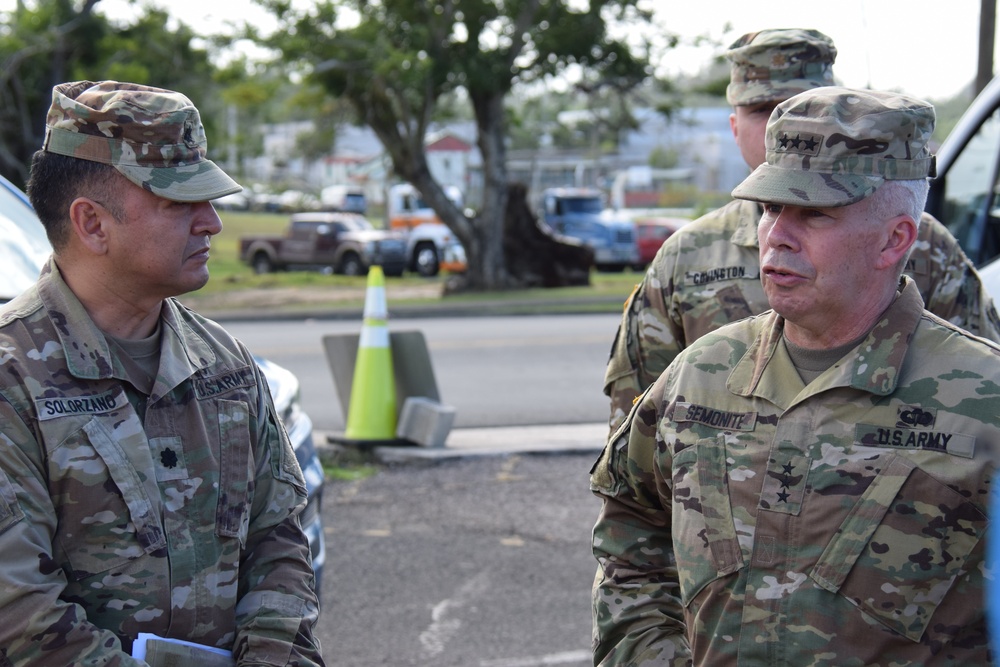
(580, 213)
(344, 243)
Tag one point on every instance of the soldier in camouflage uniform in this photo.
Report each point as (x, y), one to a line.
(146, 484)
(707, 274)
(809, 486)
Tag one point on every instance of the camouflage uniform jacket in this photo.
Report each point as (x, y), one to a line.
(708, 274)
(184, 525)
(751, 520)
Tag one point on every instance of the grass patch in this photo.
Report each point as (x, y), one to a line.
(349, 473)
(347, 464)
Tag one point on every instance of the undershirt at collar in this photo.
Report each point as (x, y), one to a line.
(810, 364)
(140, 358)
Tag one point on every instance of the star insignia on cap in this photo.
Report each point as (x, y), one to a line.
(808, 144)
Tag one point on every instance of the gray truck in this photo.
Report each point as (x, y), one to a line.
(344, 243)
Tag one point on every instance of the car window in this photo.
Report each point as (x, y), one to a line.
(970, 208)
(355, 202)
(583, 204)
(356, 223)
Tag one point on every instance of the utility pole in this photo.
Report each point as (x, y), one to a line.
(987, 34)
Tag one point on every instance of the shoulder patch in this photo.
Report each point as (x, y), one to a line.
(10, 510)
(721, 419)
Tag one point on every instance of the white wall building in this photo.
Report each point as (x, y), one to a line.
(700, 137)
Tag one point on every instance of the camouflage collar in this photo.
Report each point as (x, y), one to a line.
(750, 213)
(86, 348)
(760, 372)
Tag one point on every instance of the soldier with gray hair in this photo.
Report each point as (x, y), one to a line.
(707, 273)
(146, 484)
(809, 486)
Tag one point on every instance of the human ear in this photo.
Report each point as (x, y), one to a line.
(89, 222)
(902, 232)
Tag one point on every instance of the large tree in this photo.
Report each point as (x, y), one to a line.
(400, 58)
(36, 46)
(46, 43)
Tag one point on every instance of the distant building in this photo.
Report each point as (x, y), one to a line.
(455, 161)
(699, 139)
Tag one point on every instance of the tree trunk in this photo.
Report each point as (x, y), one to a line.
(487, 269)
(536, 255)
(505, 246)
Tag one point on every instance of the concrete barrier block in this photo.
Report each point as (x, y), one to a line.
(424, 421)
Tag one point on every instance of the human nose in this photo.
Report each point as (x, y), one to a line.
(777, 229)
(207, 220)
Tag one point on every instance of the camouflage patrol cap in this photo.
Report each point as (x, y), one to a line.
(154, 137)
(834, 146)
(776, 64)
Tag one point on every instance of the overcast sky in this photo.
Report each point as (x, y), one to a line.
(927, 48)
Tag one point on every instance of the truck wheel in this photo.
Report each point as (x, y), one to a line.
(351, 265)
(426, 260)
(262, 263)
(394, 272)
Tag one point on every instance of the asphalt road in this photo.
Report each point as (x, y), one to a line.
(483, 562)
(495, 371)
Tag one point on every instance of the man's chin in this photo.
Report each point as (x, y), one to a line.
(787, 305)
(193, 283)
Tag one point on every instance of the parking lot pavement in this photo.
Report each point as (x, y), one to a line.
(481, 561)
(496, 441)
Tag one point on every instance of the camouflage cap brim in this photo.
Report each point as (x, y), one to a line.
(793, 187)
(744, 94)
(202, 181)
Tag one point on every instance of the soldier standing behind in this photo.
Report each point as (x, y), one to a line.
(146, 484)
(707, 273)
(809, 486)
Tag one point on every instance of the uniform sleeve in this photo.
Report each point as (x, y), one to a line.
(277, 609)
(40, 629)
(621, 377)
(953, 290)
(637, 614)
(650, 335)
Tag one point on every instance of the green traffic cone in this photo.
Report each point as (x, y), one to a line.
(371, 413)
